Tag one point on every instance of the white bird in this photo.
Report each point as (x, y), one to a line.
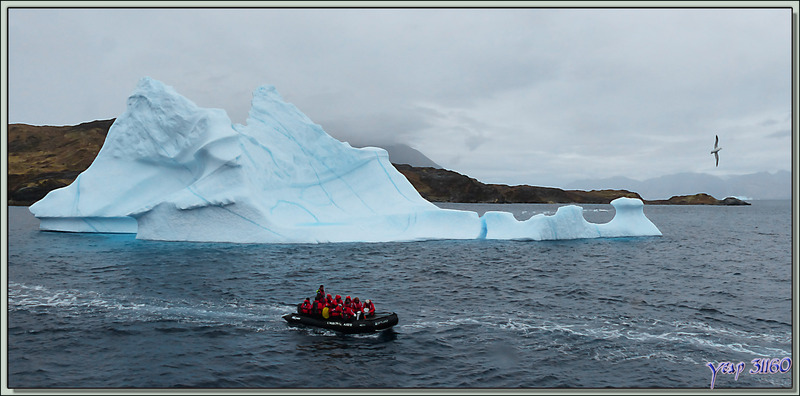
(716, 149)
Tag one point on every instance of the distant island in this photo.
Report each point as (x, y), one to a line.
(44, 158)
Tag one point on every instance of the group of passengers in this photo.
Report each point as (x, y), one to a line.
(333, 307)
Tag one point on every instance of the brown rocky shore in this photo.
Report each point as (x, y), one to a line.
(43, 158)
(440, 185)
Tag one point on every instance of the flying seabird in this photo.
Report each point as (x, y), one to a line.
(716, 149)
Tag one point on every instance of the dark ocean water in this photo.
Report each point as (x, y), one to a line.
(110, 311)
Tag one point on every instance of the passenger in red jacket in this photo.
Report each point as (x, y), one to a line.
(329, 302)
(357, 304)
(369, 309)
(338, 300)
(348, 302)
(357, 308)
(336, 312)
(305, 307)
(347, 313)
(319, 304)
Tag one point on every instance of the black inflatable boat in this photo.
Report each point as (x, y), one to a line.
(381, 321)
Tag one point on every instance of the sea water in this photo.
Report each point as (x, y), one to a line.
(712, 295)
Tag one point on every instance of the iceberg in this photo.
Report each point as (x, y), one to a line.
(172, 171)
(568, 223)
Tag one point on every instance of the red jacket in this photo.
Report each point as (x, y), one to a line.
(347, 313)
(370, 306)
(318, 306)
(336, 312)
(305, 307)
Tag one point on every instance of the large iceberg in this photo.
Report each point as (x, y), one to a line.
(170, 170)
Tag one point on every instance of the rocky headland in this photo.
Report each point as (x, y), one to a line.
(43, 158)
(698, 199)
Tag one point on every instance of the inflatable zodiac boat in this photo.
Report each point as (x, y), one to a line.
(378, 322)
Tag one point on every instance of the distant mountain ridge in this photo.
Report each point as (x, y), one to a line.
(761, 185)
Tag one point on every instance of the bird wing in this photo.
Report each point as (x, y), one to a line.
(716, 156)
(716, 141)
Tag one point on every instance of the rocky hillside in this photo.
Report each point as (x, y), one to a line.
(440, 185)
(43, 158)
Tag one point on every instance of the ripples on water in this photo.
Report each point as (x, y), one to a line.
(109, 311)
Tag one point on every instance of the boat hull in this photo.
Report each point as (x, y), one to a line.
(380, 322)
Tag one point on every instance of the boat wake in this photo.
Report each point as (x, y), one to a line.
(570, 330)
(70, 303)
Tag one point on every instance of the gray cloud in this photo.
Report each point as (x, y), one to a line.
(784, 133)
(584, 92)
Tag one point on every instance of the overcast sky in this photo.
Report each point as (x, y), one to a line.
(513, 96)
